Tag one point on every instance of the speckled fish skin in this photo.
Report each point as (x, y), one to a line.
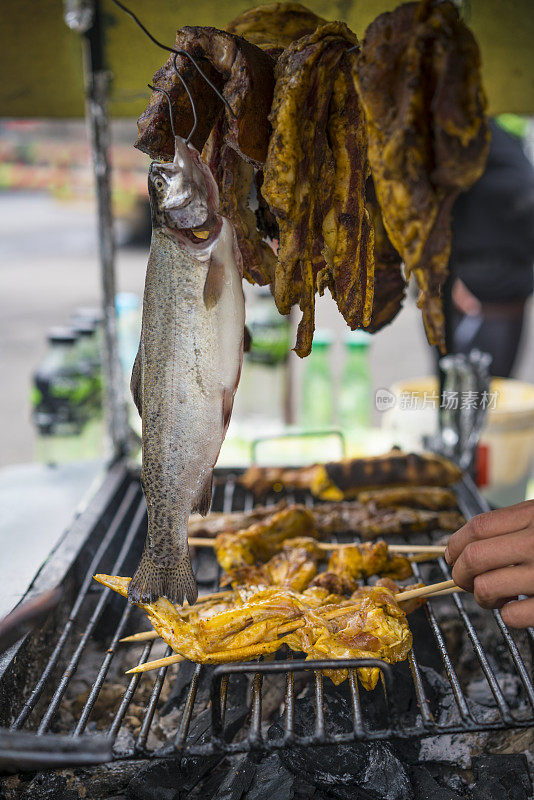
(187, 368)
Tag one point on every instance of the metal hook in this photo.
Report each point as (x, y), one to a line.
(165, 92)
(193, 107)
(177, 53)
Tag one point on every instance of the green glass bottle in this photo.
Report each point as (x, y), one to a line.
(317, 400)
(261, 394)
(355, 393)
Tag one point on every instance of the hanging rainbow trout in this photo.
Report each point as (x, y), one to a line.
(187, 369)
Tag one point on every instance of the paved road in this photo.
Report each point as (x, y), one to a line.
(48, 267)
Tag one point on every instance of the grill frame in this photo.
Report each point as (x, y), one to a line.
(118, 506)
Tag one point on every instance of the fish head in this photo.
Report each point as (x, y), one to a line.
(183, 192)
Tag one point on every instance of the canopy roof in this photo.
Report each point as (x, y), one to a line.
(42, 65)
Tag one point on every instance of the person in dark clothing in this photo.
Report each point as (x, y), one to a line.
(492, 277)
(492, 255)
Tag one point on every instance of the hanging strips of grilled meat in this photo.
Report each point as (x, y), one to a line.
(243, 73)
(389, 283)
(347, 228)
(419, 81)
(300, 172)
(274, 26)
(234, 177)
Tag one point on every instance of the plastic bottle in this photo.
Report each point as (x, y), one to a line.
(88, 355)
(355, 393)
(317, 400)
(261, 395)
(56, 398)
(89, 360)
(128, 308)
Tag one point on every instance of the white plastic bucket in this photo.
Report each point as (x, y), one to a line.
(506, 443)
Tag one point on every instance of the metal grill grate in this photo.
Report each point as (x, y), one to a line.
(108, 537)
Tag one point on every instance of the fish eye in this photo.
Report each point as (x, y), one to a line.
(159, 183)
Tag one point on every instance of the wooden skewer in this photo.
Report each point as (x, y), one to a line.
(444, 592)
(160, 662)
(222, 655)
(434, 590)
(143, 636)
(394, 548)
(425, 591)
(435, 549)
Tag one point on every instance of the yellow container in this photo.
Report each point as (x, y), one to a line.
(508, 435)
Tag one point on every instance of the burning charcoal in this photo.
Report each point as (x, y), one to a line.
(100, 782)
(425, 787)
(366, 770)
(195, 767)
(501, 777)
(273, 780)
(237, 688)
(158, 781)
(237, 781)
(181, 685)
(439, 692)
(479, 690)
(187, 772)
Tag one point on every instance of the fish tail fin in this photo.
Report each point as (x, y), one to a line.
(175, 581)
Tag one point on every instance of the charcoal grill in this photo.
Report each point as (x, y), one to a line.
(36, 674)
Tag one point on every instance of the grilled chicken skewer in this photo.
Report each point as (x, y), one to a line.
(434, 550)
(370, 623)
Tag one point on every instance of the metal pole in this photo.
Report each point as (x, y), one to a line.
(85, 17)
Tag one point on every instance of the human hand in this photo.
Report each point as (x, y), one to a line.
(493, 557)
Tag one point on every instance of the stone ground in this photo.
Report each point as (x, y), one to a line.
(48, 267)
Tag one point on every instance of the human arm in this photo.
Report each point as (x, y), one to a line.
(493, 556)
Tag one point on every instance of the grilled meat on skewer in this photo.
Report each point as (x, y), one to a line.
(344, 517)
(264, 539)
(433, 498)
(314, 622)
(262, 480)
(230, 521)
(368, 521)
(400, 521)
(295, 566)
(363, 560)
(342, 480)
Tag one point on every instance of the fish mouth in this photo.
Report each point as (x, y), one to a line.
(200, 237)
(190, 216)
